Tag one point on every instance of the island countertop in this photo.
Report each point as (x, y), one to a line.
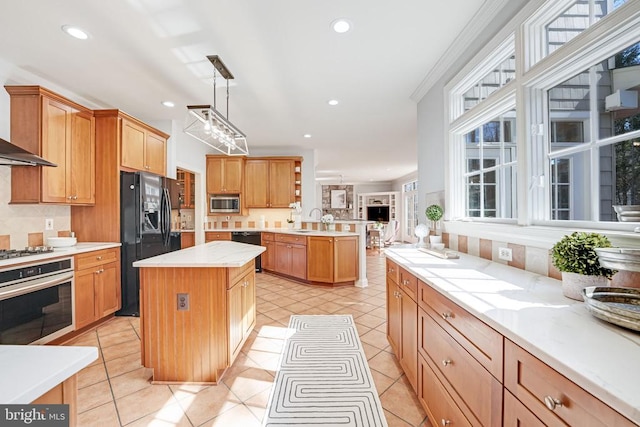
(221, 253)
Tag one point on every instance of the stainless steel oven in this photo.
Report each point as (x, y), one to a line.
(224, 203)
(36, 301)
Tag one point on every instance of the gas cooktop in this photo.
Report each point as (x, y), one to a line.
(31, 250)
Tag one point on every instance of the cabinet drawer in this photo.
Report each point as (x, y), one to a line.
(551, 396)
(479, 339)
(517, 415)
(210, 236)
(267, 237)
(393, 271)
(291, 238)
(471, 386)
(409, 283)
(441, 410)
(91, 259)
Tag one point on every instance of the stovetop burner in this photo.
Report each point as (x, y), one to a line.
(30, 250)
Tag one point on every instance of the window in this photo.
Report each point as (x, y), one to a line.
(411, 218)
(490, 153)
(593, 128)
(492, 81)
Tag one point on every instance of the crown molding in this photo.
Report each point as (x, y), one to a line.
(475, 27)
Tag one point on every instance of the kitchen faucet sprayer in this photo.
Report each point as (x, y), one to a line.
(315, 209)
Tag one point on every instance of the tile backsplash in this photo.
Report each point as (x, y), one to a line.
(17, 221)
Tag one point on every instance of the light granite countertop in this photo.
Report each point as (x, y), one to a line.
(29, 371)
(221, 253)
(302, 232)
(530, 310)
(60, 253)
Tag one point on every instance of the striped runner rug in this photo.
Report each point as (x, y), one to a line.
(324, 378)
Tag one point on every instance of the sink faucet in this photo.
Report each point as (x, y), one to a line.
(315, 209)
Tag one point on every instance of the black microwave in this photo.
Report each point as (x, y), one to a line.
(227, 203)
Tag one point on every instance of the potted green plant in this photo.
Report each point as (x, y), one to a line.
(434, 213)
(575, 256)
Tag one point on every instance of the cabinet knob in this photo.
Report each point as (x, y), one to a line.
(447, 362)
(99, 257)
(445, 423)
(552, 403)
(75, 197)
(100, 271)
(405, 282)
(69, 197)
(446, 316)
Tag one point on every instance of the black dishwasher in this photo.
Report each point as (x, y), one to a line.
(251, 238)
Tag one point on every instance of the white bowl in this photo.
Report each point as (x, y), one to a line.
(61, 242)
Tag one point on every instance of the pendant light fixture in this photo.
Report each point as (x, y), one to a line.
(207, 124)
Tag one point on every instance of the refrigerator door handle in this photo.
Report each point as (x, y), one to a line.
(166, 217)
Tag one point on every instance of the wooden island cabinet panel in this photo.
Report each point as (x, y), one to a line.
(61, 132)
(198, 341)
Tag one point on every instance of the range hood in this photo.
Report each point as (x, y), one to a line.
(12, 155)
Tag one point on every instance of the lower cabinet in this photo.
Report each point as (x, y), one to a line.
(268, 256)
(516, 414)
(210, 236)
(97, 285)
(291, 255)
(332, 259)
(241, 300)
(187, 240)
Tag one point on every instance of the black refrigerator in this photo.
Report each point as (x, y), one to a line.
(145, 221)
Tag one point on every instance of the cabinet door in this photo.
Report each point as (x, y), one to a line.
(155, 154)
(345, 259)
(299, 261)
(107, 288)
(283, 258)
(517, 415)
(256, 194)
(132, 150)
(187, 240)
(320, 255)
(234, 304)
(82, 160)
(232, 175)
(268, 256)
(281, 183)
(85, 312)
(248, 303)
(409, 339)
(394, 319)
(190, 190)
(214, 175)
(56, 123)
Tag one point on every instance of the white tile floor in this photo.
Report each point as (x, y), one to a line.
(115, 390)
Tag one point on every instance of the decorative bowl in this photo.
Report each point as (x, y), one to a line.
(61, 242)
(627, 213)
(626, 259)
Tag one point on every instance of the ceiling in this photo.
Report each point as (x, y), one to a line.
(286, 59)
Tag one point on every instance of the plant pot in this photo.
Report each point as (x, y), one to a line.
(435, 239)
(574, 283)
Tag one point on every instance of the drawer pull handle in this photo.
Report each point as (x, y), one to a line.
(447, 362)
(405, 282)
(100, 271)
(98, 258)
(552, 403)
(446, 316)
(445, 423)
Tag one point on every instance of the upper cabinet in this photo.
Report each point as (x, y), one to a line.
(143, 148)
(225, 174)
(271, 182)
(60, 131)
(186, 191)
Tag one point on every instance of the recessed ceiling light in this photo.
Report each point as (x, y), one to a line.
(76, 32)
(307, 135)
(168, 104)
(333, 102)
(341, 25)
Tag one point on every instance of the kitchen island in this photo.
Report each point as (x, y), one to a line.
(197, 308)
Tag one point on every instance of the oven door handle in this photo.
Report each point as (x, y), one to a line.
(38, 284)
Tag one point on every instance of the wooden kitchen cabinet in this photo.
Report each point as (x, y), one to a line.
(402, 328)
(225, 175)
(143, 148)
(211, 236)
(270, 182)
(241, 299)
(291, 255)
(332, 259)
(187, 189)
(60, 131)
(187, 239)
(97, 285)
(268, 256)
(552, 397)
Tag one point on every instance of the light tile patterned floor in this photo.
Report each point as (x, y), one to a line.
(115, 389)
